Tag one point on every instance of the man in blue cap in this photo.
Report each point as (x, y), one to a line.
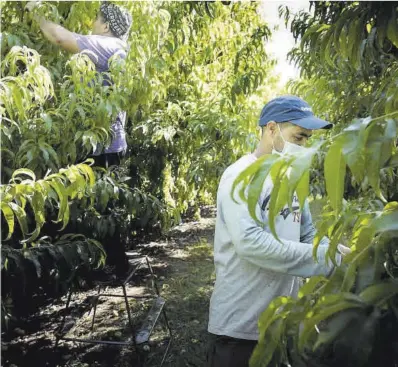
(252, 267)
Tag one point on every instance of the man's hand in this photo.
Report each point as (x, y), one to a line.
(31, 5)
(344, 250)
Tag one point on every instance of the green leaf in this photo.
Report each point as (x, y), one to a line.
(322, 231)
(267, 317)
(9, 217)
(97, 248)
(271, 325)
(23, 171)
(343, 223)
(63, 213)
(298, 174)
(392, 162)
(335, 170)
(103, 200)
(378, 294)
(364, 236)
(387, 222)
(256, 186)
(303, 188)
(350, 274)
(336, 325)
(49, 149)
(245, 177)
(88, 172)
(37, 202)
(278, 174)
(21, 217)
(328, 306)
(353, 151)
(310, 286)
(366, 271)
(46, 155)
(355, 35)
(374, 165)
(18, 100)
(392, 28)
(264, 350)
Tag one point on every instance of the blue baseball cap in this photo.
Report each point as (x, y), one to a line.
(292, 109)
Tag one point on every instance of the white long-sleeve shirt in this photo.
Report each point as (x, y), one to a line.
(252, 267)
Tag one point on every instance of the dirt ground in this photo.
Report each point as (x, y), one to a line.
(183, 264)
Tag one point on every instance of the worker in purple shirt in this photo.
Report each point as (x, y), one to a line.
(108, 38)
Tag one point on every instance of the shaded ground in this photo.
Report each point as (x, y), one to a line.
(183, 264)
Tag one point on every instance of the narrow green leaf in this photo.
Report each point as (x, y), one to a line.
(336, 325)
(378, 294)
(103, 200)
(387, 222)
(339, 229)
(335, 170)
(9, 217)
(392, 28)
(256, 186)
(21, 217)
(271, 311)
(353, 260)
(245, 177)
(88, 172)
(321, 232)
(310, 286)
(63, 199)
(264, 350)
(278, 172)
(303, 188)
(23, 171)
(325, 312)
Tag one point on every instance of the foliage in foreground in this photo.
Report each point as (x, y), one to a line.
(348, 69)
(350, 318)
(361, 296)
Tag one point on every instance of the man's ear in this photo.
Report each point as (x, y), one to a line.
(272, 127)
(106, 27)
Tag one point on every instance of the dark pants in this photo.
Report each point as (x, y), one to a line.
(113, 245)
(229, 352)
(107, 159)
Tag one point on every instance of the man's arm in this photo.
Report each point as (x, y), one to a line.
(58, 35)
(259, 247)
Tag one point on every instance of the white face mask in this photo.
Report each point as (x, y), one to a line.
(288, 148)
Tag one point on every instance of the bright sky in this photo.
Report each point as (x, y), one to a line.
(282, 40)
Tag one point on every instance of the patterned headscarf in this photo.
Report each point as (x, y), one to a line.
(119, 19)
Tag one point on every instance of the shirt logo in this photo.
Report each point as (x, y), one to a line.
(306, 109)
(285, 212)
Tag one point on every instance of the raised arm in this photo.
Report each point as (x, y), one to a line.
(58, 35)
(55, 33)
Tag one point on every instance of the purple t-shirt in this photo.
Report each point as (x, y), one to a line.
(104, 48)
